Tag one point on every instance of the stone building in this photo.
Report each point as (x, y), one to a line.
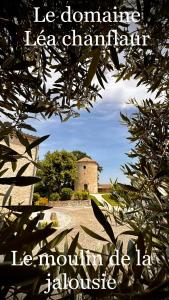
(20, 195)
(87, 175)
(104, 188)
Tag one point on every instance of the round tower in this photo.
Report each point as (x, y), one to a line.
(87, 175)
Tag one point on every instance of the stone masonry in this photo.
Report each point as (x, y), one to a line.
(87, 175)
(20, 195)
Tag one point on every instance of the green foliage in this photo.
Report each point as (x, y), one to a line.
(93, 198)
(25, 70)
(23, 90)
(55, 223)
(42, 201)
(66, 194)
(58, 171)
(40, 188)
(130, 278)
(43, 224)
(145, 200)
(9, 159)
(149, 175)
(106, 196)
(85, 195)
(109, 199)
(80, 195)
(149, 66)
(77, 195)
(36, 196)
(54, 197)
(19, 232)
(28, 68)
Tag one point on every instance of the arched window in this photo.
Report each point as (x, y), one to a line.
(85, 187)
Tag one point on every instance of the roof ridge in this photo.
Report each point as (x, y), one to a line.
(86, 159)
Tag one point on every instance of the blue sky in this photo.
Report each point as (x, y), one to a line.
(99, 133)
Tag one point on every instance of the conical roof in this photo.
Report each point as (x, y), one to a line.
(87, 159)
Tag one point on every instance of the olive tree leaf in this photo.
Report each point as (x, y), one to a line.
(20, 181)
(22, 169)
(36, 142)
(7, 195)
(103, 221)
(93, 234)
(92, 68)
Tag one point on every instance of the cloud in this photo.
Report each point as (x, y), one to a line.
(120, 92)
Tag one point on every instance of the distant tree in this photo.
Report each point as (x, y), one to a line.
(59, 170)
(79, 154)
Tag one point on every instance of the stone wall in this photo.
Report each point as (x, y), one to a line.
(20, 195)
(70, 203)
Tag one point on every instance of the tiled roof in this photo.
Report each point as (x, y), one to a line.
(105, 185)
(87, 159)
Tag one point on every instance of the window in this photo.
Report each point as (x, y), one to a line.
(84, 167)
(85, 187)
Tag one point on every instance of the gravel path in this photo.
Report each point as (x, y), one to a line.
(84, 216)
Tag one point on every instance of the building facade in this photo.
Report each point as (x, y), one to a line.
(104, 188)
(20, 195)
(87, 176)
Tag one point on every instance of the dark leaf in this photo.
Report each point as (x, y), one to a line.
(92, 68)
(22, 169)
(114, 57)
(93, 234)
(102, 220)
(36, 142)
(7, 195)
(20, 181)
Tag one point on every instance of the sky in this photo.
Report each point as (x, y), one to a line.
(99, 133)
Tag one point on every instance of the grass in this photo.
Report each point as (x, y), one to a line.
(103, 193)
(91, 197)
(108, 199)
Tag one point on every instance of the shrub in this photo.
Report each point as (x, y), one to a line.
(66, 194)
(39, 187)
(44, 223)
(81, 195)
(85, 195)
(55, 223)
(36, 197)
(54, 197)
(42, 201)
(77, 196)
